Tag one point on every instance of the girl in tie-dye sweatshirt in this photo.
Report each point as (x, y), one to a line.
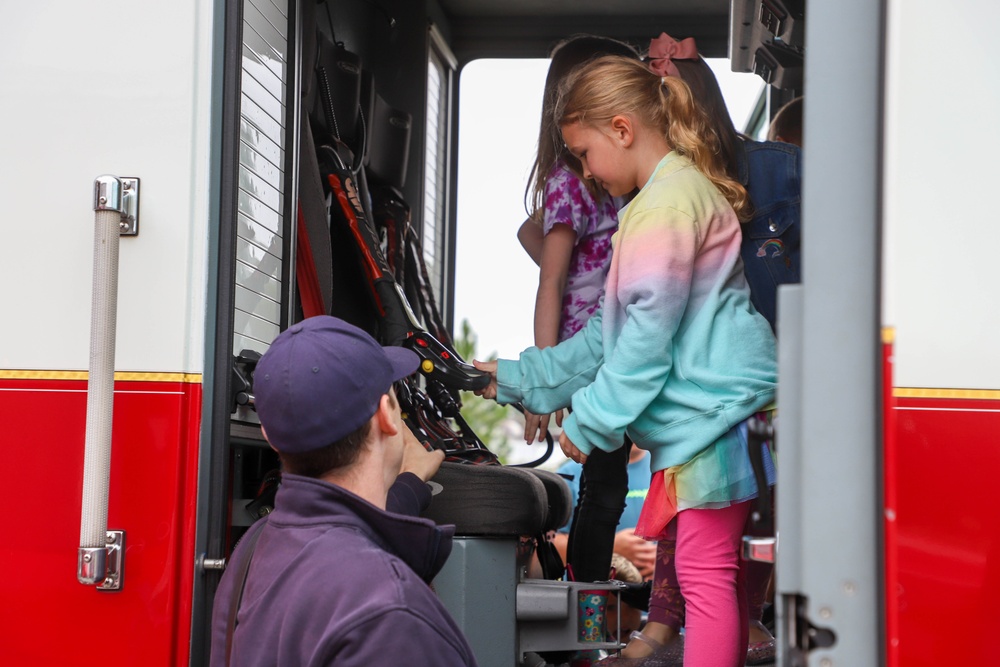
(677, 357)
(568, 234)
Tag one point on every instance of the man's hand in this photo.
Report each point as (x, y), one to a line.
(641, 552)
(490, 390)
(417, 459)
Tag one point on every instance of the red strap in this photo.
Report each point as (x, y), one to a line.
(305, 273)
(367, 259)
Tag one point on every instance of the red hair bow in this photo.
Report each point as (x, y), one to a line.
(665, 49)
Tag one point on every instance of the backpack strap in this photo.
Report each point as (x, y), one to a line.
(241, 580)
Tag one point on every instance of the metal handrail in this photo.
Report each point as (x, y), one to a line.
(101, 551)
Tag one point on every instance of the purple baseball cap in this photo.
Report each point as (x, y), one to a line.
(321, 379)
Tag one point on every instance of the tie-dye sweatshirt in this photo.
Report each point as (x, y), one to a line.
(677, 355)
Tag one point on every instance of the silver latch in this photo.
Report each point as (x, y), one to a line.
(762, 549)
(213, 564)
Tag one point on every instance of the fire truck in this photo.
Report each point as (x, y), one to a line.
(156, 166)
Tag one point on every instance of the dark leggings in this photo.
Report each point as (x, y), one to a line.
(603, 488)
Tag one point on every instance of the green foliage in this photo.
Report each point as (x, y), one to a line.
(486, 417)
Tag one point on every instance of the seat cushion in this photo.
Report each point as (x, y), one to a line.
(485, 500)
(558, 495)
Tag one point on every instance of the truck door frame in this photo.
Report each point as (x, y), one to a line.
(830, 404)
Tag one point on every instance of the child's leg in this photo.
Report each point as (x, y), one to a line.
(713, 584)
(758, 578)
(758, 582)
(603, 487)
(666, 607)
(666, 604)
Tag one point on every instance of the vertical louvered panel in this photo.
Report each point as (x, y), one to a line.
(261, 203)
(434, 173)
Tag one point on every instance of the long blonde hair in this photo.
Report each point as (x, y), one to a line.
(603, 88)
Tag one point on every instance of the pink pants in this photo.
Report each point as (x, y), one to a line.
(712, 579)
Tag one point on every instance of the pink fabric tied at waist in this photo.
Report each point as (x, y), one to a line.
(660, 506)
(665, 49)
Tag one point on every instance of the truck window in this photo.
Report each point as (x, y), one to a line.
(440, 87)
(499, 107)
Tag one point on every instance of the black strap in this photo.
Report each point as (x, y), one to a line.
(548, 557)
(760, 431)
(312, 202)
(241, 580)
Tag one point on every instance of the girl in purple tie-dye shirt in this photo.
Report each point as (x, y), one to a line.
(569, 236)
(592, 221)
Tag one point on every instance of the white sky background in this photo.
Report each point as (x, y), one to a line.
(499, 112)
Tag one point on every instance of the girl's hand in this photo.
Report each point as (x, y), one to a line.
(535, 424)
(490, 390)
(570, 450)
(539, 424)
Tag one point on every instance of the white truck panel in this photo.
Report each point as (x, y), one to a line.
(101, 88)
(941, 222)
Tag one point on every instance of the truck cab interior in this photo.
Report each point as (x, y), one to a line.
(353, 105)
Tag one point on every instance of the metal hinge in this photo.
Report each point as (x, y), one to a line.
(213, 564)
(799, 634)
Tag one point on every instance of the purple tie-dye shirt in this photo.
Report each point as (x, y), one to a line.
(568, 202)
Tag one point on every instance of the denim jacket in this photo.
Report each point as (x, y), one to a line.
(772, 174)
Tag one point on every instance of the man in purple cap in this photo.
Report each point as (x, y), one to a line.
(332, 577)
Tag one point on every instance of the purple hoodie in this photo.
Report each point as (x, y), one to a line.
(334, 580)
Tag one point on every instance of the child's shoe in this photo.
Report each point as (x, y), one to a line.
(763, 651)
(670, 654)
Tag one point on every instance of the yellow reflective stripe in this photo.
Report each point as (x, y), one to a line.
(924, 392)
(120, 376)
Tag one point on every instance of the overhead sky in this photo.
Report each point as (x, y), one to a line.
(499, 113)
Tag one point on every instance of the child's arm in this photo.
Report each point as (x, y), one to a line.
(545, 380)
(557, 251)
(531, 238)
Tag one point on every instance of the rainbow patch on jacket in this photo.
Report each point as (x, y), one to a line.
(778, 246)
